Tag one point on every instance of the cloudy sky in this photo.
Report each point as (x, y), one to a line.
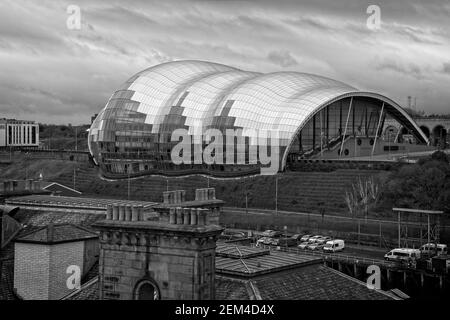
(52, 74)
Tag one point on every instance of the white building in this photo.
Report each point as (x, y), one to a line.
(18, 133)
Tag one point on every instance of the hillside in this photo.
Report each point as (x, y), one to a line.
(297, 191)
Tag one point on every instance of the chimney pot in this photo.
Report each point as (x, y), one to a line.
(141, 213)
(193, 216)
(172, 216)
(127, 212)
(121, 212)
(186, 216)
(109, 212)
(179, 211)
(200, 217)
(166, 197)
(135, 213)
(115, 214)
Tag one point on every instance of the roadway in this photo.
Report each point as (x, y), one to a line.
(316, 215)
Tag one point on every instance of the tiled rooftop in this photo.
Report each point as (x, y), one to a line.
(88, 291)
(93, 203)
(256, 264)
(239, 252)
(40, 218)
(315, 282)
(56, 234)
(6, 280)
(233, 289)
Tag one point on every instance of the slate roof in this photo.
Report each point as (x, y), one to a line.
(52, 234)
(75, 202)
(251, 265)
(60, 189)
(233, 289)
(40, 218)
(7, 280)
(239, 251)
(276, 276)
(34, 220)
(315, 282)
(88, 291)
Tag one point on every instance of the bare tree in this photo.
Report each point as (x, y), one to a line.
(361, 196)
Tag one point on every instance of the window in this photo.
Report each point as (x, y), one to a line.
(33, 135)
(146, 289)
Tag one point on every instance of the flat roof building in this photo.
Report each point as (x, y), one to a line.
(308, 116)
(18, 133)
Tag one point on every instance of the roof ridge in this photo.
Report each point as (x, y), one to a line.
(390, 295)
(82, 287)
(254, 290)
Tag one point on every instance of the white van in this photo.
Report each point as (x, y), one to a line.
(431, 249)
(334, 246)
(402, 254)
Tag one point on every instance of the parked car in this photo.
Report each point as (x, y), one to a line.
(433, 249)
(314, 239)
(315, 246)
(334, 245)
(272, 233)
(263, 240)
(305, 237)
(296, 237)
(275, 241)
(402, 255)
(323, 240)
(303, 245)
(287, 242)
(232, 235)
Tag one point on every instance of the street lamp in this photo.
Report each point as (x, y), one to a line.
(285, 237)
(276, 194)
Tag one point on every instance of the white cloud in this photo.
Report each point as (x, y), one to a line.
(57, 75)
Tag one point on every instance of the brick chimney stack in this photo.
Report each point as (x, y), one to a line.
(172, 258)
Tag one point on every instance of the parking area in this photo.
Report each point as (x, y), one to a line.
(307, 242)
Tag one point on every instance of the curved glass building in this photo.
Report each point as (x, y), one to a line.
(313, 116)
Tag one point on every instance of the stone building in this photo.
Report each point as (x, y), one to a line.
(170, 258)
(43, 257)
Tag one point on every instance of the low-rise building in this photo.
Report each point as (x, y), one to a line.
(18, 133)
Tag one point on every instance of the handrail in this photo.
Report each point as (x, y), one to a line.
(333, 256)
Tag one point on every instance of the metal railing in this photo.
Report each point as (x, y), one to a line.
(331, 257)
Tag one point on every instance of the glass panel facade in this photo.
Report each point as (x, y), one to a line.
(132, 133)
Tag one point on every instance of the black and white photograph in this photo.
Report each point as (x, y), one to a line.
(225, 156)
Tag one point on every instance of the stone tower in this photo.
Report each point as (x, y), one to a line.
(172, 257)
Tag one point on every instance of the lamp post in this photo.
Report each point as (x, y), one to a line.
(246, 209)
(285, 237)
(26, 165)
(246, 203)
(76, 138)
(129, 186)
(74, 177)
(276, 194)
